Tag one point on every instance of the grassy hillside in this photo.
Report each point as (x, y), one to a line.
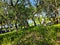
(39, 35)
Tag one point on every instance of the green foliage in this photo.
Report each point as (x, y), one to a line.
(31, 36)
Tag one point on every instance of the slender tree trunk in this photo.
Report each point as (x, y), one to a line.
(27, 25)
(16, 26)
(34, 21)
(1, 27)
(39, 20)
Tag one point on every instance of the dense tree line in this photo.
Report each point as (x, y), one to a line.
(19, 11)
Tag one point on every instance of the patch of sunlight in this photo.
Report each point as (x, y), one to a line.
(58, 34)
(7, 43)
(57, 25)
(31, 23)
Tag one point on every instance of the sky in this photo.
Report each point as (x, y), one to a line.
(32, 2)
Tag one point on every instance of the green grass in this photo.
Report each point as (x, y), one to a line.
(30, 36)
(57, 26)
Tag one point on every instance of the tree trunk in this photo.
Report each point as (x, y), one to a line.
(27, 25)
(16, 26)
(1, 27)
(39, 20)
(34, 21)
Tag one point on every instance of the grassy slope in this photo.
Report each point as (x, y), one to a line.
(31, 36)
(57, 26)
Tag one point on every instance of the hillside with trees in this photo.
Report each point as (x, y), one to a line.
(29, 22)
